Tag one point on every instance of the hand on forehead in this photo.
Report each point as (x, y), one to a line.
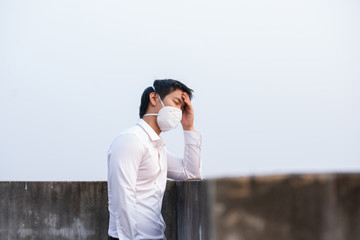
(176, 99)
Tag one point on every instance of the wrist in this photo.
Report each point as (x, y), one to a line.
(189, 128)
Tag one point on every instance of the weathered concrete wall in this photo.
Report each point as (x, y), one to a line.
(193, 210)
(53, 210)
(296, 207)
(64, 210)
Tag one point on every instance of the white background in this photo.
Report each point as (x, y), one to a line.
(276, 83)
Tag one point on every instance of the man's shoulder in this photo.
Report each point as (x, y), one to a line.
(133, 134)
(127, 139)
(137, 131)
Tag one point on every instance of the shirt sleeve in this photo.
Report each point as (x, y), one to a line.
(188, 167)
(124, 158)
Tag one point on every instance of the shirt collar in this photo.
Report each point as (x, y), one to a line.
(151, 133)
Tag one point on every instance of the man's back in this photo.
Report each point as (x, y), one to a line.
(137, 162)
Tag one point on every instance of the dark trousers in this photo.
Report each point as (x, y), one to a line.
(111, 238)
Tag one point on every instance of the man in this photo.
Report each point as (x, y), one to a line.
(139, 164)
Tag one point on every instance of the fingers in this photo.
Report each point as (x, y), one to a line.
(187, 101)
(186, 97)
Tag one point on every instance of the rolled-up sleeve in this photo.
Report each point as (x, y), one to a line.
(124, 158)
(189, 166)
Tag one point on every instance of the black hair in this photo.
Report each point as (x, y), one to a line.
(162, 87)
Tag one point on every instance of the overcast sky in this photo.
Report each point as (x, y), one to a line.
(277, 83)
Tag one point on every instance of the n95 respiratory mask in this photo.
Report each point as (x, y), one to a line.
(168, 117)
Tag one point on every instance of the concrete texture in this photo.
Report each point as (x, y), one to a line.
(193, 210)
(64, 210)
(296, 207)
(53, 210)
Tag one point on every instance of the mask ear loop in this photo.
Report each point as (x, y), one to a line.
(158, 96)
(151, 114)
(155, 114)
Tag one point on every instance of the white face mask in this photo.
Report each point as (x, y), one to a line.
(168, 117)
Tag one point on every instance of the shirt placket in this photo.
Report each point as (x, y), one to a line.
(157, 157)
(158, 147)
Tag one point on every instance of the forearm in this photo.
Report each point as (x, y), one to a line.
(192, 153)
(189, 166)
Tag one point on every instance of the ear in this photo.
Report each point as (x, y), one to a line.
(152, 98)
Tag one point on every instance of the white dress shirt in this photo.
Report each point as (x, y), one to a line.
(138, 167)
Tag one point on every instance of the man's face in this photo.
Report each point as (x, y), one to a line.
(175, 99)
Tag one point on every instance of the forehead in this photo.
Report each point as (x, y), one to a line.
(177, 93)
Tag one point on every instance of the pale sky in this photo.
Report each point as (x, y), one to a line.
(276, 83)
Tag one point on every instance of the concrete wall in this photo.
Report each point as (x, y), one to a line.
(64, 210)
(296, 207)
(53, 210)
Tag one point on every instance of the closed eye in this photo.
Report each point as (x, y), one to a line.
(177, 101)
(182, 106)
